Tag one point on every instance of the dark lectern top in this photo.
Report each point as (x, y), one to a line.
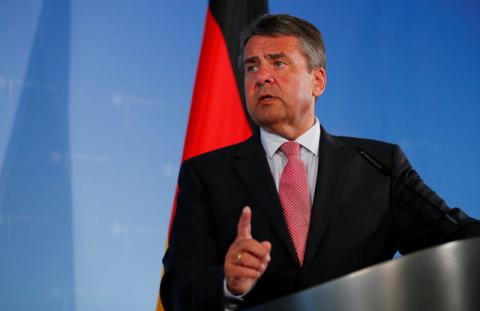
(443, 278)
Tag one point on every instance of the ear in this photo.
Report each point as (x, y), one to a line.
(319, 81)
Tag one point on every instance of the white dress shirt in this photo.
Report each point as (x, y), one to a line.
(309, 142)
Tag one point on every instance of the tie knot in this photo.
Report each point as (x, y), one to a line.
(290, 148)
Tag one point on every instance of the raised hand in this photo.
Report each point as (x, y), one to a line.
(246, 259)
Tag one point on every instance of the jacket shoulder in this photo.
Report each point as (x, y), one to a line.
(366, 143)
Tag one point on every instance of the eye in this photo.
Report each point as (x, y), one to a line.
(252, 68)
(278, 64)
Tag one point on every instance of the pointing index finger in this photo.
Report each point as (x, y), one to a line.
(244, 224)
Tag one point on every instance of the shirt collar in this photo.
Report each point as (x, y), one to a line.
(309, 140)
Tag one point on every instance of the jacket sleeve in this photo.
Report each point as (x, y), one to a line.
(193, 278)
(417, 223)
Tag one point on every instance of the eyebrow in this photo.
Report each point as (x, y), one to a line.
(271, 56)
(252, 60)
(274, 56)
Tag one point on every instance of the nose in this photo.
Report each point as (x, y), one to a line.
(264, 76)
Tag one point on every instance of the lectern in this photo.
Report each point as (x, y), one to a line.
(442, 278)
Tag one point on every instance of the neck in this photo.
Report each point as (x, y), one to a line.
(289, 131)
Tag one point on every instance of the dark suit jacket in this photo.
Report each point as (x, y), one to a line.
(359, 218)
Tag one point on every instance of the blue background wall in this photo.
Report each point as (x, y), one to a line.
(94, 100)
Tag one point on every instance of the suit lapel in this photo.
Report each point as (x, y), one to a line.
(334, 161)
(252, 167)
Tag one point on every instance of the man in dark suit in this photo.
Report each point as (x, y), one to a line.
(292, 206)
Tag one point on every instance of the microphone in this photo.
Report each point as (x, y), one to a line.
(387, 171)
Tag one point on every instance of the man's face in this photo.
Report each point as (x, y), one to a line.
(280, 90)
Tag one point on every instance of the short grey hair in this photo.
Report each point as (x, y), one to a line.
(288, 25)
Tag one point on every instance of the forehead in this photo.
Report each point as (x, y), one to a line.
(261, 45)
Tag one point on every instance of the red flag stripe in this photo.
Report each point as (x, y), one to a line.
(216, 118)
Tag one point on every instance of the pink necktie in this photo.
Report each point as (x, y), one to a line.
(294, 196)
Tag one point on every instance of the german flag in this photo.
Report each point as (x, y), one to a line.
(218, 115)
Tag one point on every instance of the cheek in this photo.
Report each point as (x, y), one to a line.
(248, 87)
(307, 86)
(297, 88)
(249, 97)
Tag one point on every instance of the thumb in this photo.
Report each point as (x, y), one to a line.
(267, 245)
(244, 227)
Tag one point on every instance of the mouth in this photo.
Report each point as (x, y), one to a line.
(266, 97)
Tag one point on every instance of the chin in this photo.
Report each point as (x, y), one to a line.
(267, 119)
